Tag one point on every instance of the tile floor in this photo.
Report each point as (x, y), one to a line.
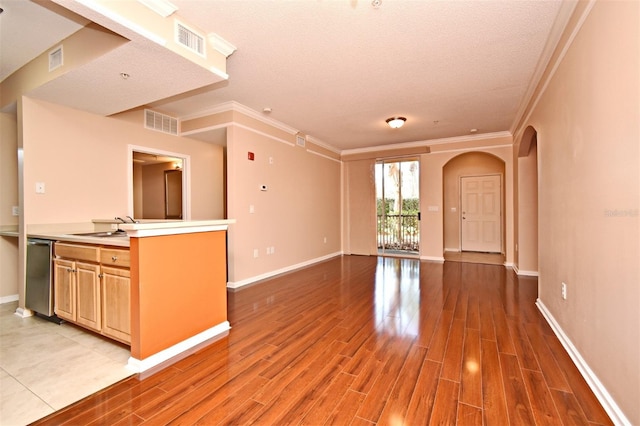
(45, 367)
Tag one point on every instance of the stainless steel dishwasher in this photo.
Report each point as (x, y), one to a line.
(39, 285)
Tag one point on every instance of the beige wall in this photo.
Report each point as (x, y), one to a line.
(360, 207)
(360, 204)
(8, 199)
(300, 208)
(153, 192)
(83, 160)
(588, 133)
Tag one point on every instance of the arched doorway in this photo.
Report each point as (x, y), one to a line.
(479, 169)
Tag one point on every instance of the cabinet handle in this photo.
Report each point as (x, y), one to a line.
(70, 270)
(100, 275)
(114, 258)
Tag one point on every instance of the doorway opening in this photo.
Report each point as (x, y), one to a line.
(398, 206)
(158, 184)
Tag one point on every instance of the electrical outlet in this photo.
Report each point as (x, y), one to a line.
(15, 211)
(256, 253)
(563, 290)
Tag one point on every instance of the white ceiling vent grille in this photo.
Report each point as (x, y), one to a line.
(300, 140)
(160, 122)
(55, 58)
(190, 39)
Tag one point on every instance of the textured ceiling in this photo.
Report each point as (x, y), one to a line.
(336, 70)
(332, 69)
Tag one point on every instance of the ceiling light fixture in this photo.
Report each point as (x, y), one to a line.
(396, 122)
(124, 75)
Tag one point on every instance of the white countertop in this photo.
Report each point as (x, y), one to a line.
(144, 228)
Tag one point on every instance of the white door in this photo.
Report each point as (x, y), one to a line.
(481, 201)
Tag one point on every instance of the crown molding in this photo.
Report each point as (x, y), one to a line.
(537, 91)
(220, 44)
(428, 142)
(163, 8)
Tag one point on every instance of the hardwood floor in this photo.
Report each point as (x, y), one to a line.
(363, 340)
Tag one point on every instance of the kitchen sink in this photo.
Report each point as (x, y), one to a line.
(103, 234)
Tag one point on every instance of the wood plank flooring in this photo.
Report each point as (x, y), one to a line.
(362, 340)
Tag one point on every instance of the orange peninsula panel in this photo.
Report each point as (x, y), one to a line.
(178, 289)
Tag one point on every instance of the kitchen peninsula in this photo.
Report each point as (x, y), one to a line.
(178, 287)
(178, 282)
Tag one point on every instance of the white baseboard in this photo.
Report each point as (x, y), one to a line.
(141, 365)
(524, 273)
(438, 259)
(452, 250)
(247, 281)
(608, 403)
(24, 312)
(8, 299)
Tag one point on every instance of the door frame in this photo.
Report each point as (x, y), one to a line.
(502, 224)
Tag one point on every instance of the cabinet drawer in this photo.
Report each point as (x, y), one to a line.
(76, 251)
(114, 257)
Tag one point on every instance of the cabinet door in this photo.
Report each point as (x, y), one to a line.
(64, 289)
(116, 303)
(89, 312)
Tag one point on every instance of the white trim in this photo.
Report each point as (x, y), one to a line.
(247, 281)
(237, 107)
(156, 232)
(8, 299)
(110, 14)
(242, 126)
(242, 109)
(605, 398)
(310, 151)
(138, 366)
(429, 142)
(220, 44)
(473, 149)
(217, 71)
(163, 8)
(186, 176)
(322, 144)
(554, 68)
(438, 259)
(524, 273)
(24, 312)
(557, 29)
(452, 250)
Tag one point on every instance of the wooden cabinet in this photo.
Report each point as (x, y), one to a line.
(88, 307)
(92, 288)
(116, 303)
(64, 289)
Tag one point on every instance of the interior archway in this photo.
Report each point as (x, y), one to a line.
(466, 164)
(526, 248)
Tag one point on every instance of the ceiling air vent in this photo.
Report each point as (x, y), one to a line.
(55, 58)
(190, 39)
(160, 122)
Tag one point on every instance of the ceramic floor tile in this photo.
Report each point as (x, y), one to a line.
(18, 405)
(46, 366)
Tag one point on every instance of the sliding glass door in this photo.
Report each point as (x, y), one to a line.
(398, 206)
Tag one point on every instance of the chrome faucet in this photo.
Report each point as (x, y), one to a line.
(131, 219)
(120, 219)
